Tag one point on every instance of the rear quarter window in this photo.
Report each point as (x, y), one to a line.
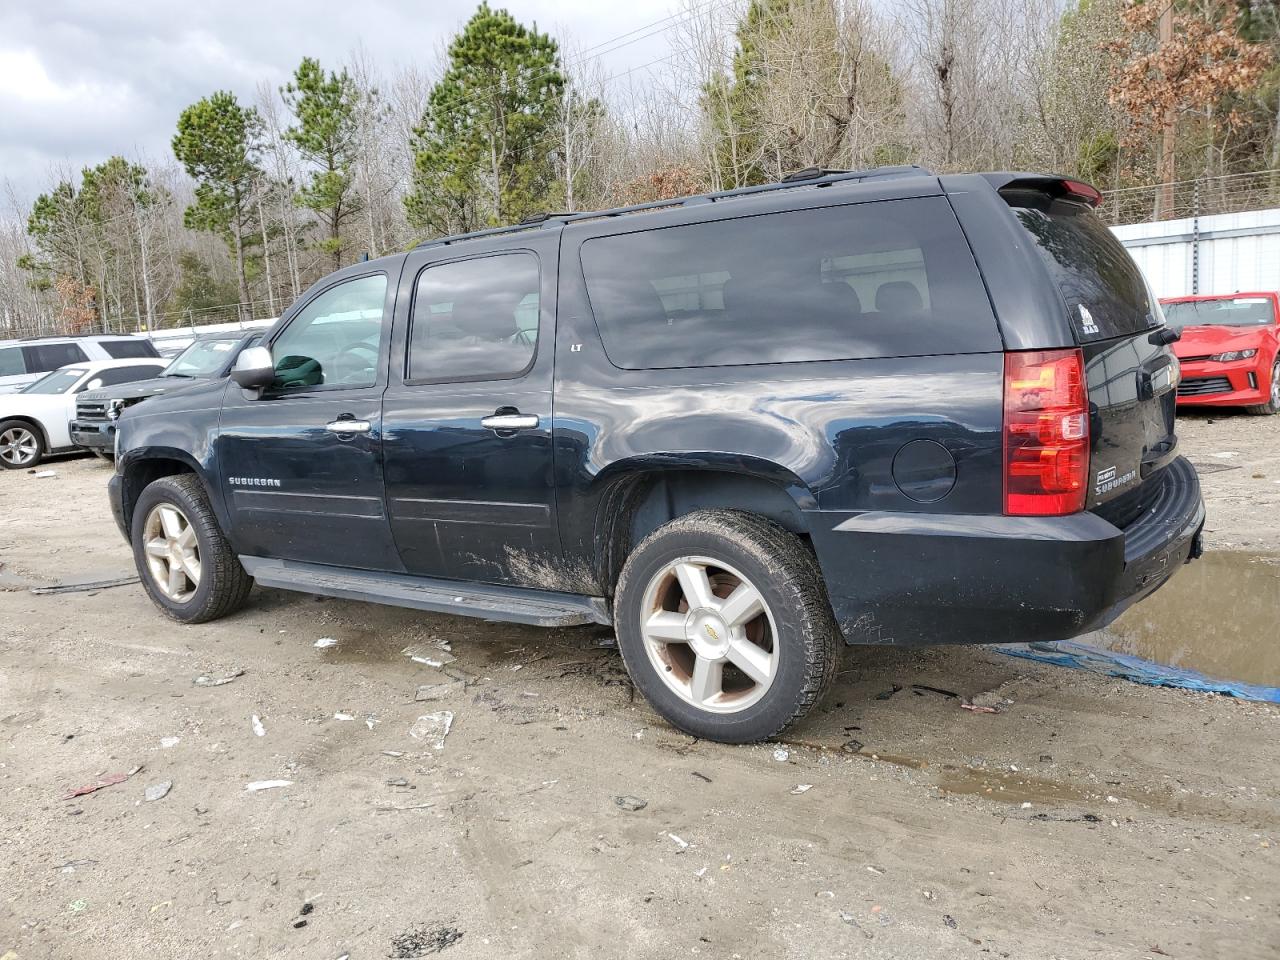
(890, 278)
(50, 356)
(129, 349)
(1105, 292)
(11, 362)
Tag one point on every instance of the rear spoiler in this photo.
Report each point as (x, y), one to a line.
(1054, 186)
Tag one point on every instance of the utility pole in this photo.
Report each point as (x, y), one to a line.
(1166, 170)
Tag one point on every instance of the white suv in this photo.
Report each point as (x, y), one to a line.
(26, 361)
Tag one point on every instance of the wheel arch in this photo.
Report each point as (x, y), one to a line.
(636, 496)
(141, 469)
(32, 421)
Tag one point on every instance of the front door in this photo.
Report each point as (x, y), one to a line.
(301, 463)
(467, 429)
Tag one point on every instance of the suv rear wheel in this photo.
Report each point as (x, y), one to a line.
(724, 625)
(183, 559)
(20, 445)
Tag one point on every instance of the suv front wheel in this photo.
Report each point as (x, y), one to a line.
(183, 559)
(724, 625)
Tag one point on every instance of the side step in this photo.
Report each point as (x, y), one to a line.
(542, 608)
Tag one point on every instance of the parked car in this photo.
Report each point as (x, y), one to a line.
(35, 421)
(94, 426)
(26, 361)
(1230, 350)
(743, 428)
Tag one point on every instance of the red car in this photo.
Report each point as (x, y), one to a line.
(1229, 350)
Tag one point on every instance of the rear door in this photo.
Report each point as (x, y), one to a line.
(467, 416)
(1132, 374)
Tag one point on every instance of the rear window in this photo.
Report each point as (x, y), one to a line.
(891, 278)
(129, 349)
(50, 356)
(1233, 312)
(1105, 291)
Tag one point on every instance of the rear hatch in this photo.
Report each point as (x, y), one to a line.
(1131, 372)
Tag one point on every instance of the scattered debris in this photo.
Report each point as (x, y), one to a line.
(433, 727)
(343, 716)
(324, 642)
(398, 782)
(157, 791)
(701, 776)
(437, 691)
(393, 809)
(852, 746)
(267, 785)
(949, 920)
(109, 780)
(700, 873)
(886, 694)
(801, 788)
(782, 754)
(631, 803)
(83, 587)
(918, 687)
(206, 681)
(423, 941)
(1111, 799)
(433, 658)
(682, 844)
(167, 742)
(44, 474)
(258, 729)
(306, 908)
(75, 906)
(1059, 818)
(978, 708)
(393, 753)
(299, 923)
(607, 643)
(1046, 758)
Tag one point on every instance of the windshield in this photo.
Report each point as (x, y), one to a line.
(204, 358)
(60, 381)
(1233, 312)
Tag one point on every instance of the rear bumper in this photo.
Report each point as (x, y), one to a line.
(1240, 383)
(93, 435)
(914, 579)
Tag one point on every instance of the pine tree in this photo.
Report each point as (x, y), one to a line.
(485, 150)
(326, 134)
(218, 143)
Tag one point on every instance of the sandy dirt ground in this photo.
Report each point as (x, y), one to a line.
(1090, 818)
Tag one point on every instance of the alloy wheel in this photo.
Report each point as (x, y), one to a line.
(709, 634)
(173, 552)
(18, 446)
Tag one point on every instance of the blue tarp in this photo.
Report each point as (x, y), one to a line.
(1081, 656)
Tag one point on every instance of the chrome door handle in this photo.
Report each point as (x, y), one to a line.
(510, 421)
(348, 427)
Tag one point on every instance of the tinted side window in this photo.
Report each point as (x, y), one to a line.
(883, 279)
(50, 356)
(11, 362)
(336, 339)
(475, 319)
(1105, 291)
(129, 349)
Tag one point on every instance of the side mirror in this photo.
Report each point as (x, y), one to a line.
(254, 368)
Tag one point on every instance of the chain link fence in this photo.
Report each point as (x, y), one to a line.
(1202, 197)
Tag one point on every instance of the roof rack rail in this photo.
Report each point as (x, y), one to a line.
(811, 177)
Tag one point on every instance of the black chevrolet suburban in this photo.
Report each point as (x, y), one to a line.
(744, 428)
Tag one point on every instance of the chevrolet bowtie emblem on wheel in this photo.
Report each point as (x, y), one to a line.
(710, 632)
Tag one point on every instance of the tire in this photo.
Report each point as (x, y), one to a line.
(210, 582)
(21, 445)
(1271, 407)
(793, 640)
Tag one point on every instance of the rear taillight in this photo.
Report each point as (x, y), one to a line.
(1046, 433)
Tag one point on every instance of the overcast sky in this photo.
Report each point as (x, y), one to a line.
(83, 79)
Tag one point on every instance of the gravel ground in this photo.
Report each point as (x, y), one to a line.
(1089, 818)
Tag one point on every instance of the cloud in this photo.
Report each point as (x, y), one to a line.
(80, 81)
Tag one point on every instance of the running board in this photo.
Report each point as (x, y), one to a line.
(542, 608)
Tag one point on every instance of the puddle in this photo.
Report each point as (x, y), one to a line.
(1217, 616)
